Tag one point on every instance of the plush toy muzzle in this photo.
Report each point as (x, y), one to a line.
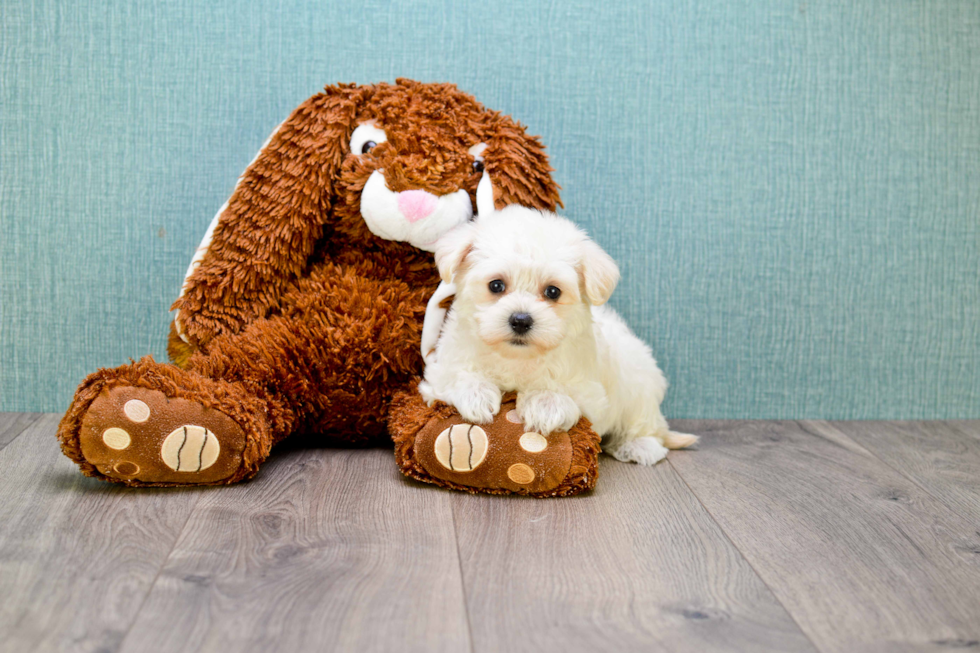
(416, 217)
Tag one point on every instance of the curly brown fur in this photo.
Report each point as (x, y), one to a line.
(296, 295)
(299, 318)
(300, 200)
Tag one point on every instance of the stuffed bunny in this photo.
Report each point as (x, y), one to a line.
(302, 309)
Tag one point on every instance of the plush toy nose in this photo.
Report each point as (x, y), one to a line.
(416, 204)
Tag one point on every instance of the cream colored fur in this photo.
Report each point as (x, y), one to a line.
(577, 358)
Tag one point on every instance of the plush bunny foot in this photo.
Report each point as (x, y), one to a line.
(436, 445)
(139, 425)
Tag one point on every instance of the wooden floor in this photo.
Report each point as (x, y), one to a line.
(772, 536)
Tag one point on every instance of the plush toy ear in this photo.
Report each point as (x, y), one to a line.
(518, 168)
(452, 249)
(599, 272)
(262, 237)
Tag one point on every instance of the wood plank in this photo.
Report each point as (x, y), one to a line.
(969, 426)
(327, 550)
(77, 556)
(942, 458)
(864, 559)
(638, 565)
(13, 424)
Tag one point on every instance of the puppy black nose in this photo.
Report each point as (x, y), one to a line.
(520, 323)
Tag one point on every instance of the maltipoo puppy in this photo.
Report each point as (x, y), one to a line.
(529, 316)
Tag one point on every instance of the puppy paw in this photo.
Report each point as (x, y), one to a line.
(545, 412)
(477, 402)
(428, 393)
(645, 451)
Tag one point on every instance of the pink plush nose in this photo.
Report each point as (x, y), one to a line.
(416, 204)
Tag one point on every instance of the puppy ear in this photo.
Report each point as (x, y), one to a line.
(600, 273)
(263, 236)
(452, 249)
(518, 167)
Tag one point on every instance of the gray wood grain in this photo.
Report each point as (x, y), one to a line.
(77, 556)
(638, 565)
(941, 458)
(13, 424)
(326, 550)
(863, 558)
(969, 426)
(867, 533)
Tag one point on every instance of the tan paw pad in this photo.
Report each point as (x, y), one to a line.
(461, 448)
(190, 448)
(116, 438)
(136, 410)
(520, 473)
(533, 442)
(127, 468)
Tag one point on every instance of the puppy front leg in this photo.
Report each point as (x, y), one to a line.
(544, 411)
(476, 398)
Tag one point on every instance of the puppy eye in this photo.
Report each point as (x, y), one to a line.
(497, 286)
(478, 166)
(552, 292)
(365, 138)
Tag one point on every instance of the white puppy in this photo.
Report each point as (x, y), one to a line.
(528, 316)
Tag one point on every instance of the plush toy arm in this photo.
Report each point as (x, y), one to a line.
(264, 235)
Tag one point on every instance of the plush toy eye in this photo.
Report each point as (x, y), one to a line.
(365, 138)
(552, 292)
(477, 153)
(497, 286)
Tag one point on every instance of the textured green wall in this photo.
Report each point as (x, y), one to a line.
(792, 188)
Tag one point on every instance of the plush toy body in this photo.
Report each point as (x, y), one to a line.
(302, 310)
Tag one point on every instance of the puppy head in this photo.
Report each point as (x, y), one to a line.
(526, 278)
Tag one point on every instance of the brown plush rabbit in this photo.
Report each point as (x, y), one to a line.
(303, 307)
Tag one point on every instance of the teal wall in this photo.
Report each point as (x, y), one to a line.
(792, 188)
